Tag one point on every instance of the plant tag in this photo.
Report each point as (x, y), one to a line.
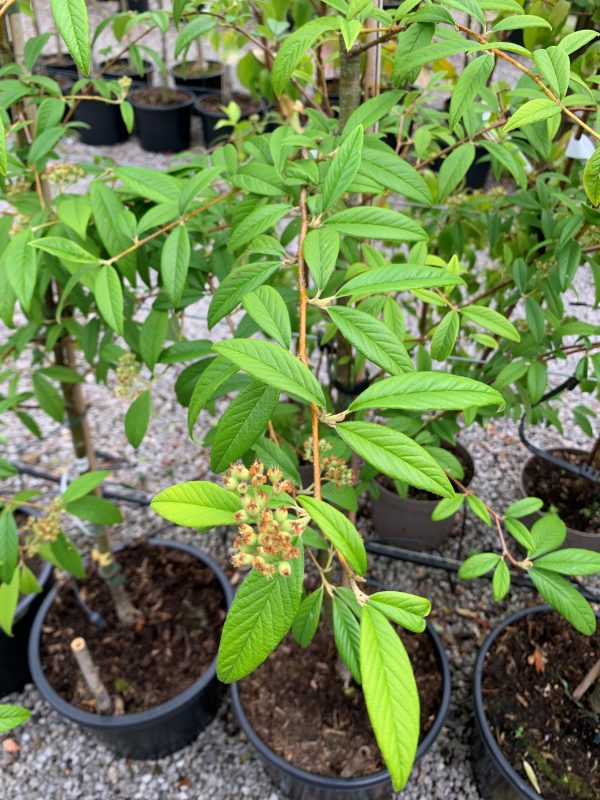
(580, 149)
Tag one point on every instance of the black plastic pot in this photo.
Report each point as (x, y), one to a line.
(495, 776)
(53, 64)
(163, 128)
(128, 69)
(199, 83)
(406, 522)
(104, 122)
(210, 117)
(574, 538)
(137, 5)
(298, 784)
(157, 731)
(478, 171)
(14, 668)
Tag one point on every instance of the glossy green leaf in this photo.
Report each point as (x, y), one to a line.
(454, 168)
(524, 507)
(472, 80)
(398, 278)
(372, 338)
(72, 22)
(478, 565)
(137, 418)
(20, 261)
(532, 111)
(65, 249)
(339, 530)
(444, 336)
(554, 67)
(321, 250)
(9, 547)
(83, 484)
(12, 716)
(547, 533)
(9, 597)
(571, 561)
(218, 371)
(501, 581)
(236, 286)
(367, 222)
(492, 321)
(255, 223)
(109, 297)
(447, 507)
(175, 262)
(407, 610)
(197, 504)
(295, 47)
(346, 632)
(591, 178)
(96, 510)
(267, 308)
(306, 620)
(50, 399)
(343, 168)
(564, 597)
(517, 22)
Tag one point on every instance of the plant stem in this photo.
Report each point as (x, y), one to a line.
(91, 676)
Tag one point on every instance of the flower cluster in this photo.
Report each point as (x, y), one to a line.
(44, 529)
(64, 174)
(266, 535)
(333, 468)
(127, 371)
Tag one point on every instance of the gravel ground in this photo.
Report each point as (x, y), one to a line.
(56, 761)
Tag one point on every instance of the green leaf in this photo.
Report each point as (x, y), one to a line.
(454, 168)
(242, 423)
(518, 22)
(267, 308)
(427, 391)
(382, 164)
(398, 278)
(28, 583)
(346, 631)
(12, 716)
(321, 250)
(574, 41)
(447, 507)
(175, 262)
(255, 223)
(372, 338)
(153, 333)
(72, 22)
(478, 507)
(444, 336)
(343, 168)
(478, 565)
(339, 530)
(9, 547)
(3, 150)
(407, 610)
(96, 510)
(492, 321)
(273, 455)
(44, 144)
(367, 222)
(306, 620)
(194, 30)
(295, 47)
(151, 184)
(63, 554)
(472, 80)
(274, 366)
(532, 111)
(65, 249)
(571, 561)
(260, 616)
(396, 455)
(237, 284)
(524, 507)
(372, 110)
(218, 371)
(537, 380)
(9, 597)
(564, 597)
(553, 65)
(185, 350)
(137, 418)
(75, 212)
(20, 261)
(109, 297)
(391, 694)
(50, 400)
(591, 178)
(501, 581)
(547, 533)
(197, 504)
(519, 532)
(83, 484)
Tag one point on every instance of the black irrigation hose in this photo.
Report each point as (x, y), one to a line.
(452, 565)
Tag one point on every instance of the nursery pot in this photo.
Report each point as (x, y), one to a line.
(14, 669)
(299, 784)
(157, 731)
(187, 76)
(163, 127)
(125, 68)
(53, 64)
(137, 5)
(575, 538)
(406, 522)
(478, 171)
(208, 107)
(495, 776)
(104, 121)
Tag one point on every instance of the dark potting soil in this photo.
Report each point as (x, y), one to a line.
(213, 103)
(157, 98)
(125, 67)
(421, 494)
(196, 70)
(577, 499)
(529, 677)
(298, 706)
(183, 610)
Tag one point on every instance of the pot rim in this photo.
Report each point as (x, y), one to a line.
(524, 466)
(491, 745)
(138, 718)
(176, 105)
(175, 69)
(329, 782)
(219, 114)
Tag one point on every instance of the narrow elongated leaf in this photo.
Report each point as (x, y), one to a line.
(382, 164)
(564, 597)
(197, 504)
(524, 507)
(236, 285)
(346, 631)
(427, 391)
(372, 110)
(591, 178)
(372, 338)
(407, 610)
(518, 22)
(109, 297)
(553, 65)
(447, 507)
(339, 530)
(274, 366)
(547, 533)
(571, 561)
(398, 278)
(492, 321)
(96, 510)
(63, 554)
(391, 694)
(49, 398)
(71, 17)
(396, 455)
(242, 423)
(366, 222)
(294, 48)
(9, 547)
(532, 111)
(20, 263)
(501, 581)
(9, 597)
(306, 620)
(472, 80)
(343, 168)
(217, 372)
(454, 168)
(175, 262)
(137, 418)
(198, 27)
(83, 484)
(257, 222)
(478, 565)
(574, 41)
(268, 310)
(321, 250)
(260, 616)
(65, 249)
(444, 336)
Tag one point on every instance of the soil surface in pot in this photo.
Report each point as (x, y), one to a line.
(196, 70)
(212, 104)
(577, 499)
(297, 704)
(125, 67)
(421, 494)
(529, 677)
(183, 610)
(157, 98)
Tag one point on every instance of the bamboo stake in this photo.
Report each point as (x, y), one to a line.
(89, 672)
